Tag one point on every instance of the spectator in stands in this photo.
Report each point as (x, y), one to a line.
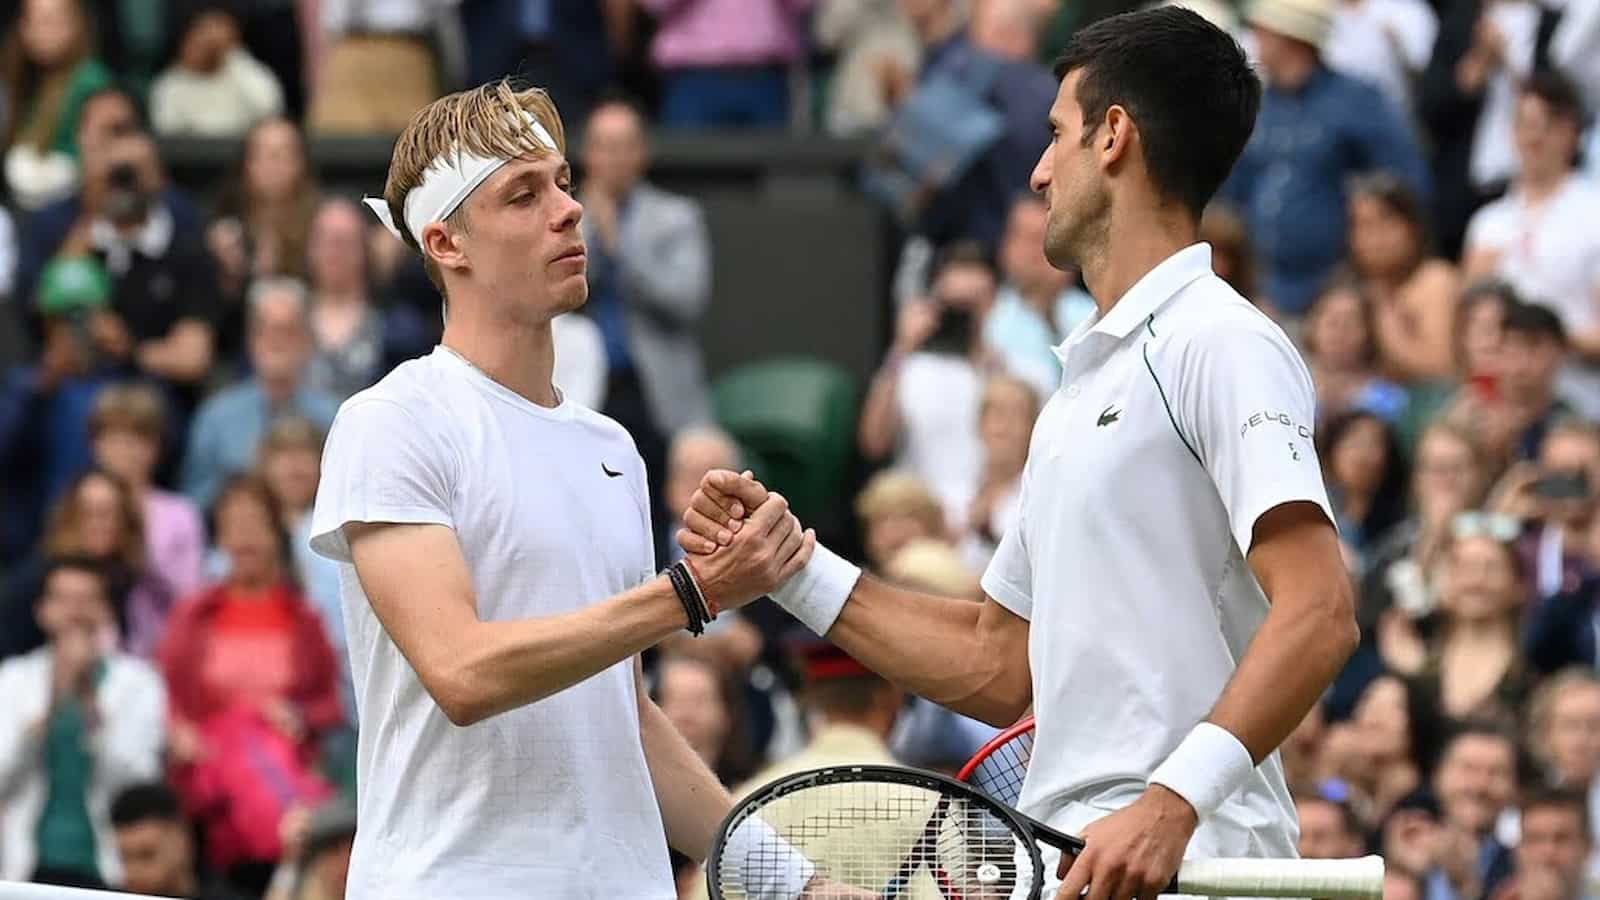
(49, 69)
(694, 452)
(1514, 402)
(571, 48)
(1373, 755)
(939, 26)
(350, 331)
(214, 88)
(126, 431)
(1233, 256)
(1037, 305)
(850, 712)
(704, 704)
(922, 406)
(1413, 293)
(1564, 730)
(1540, 236)
(1328, 829)
(229, 426)
(78, 724)
(1005, 426)
(877, 56)
(107, 116)
(45, 404)
(1366, 476)
(933, 565)
(99, 518)
(1448, 478)
(1559, 630)
(1385, 43)
(263, 224)
(994, 60)
(1409, 839)
(317, 858)
(1554, 498)
(1475, 782)
(156, 845)
(251, 676)
(1471, 666)
(377, 65)
(1341, 346)
(649, 284)
(1555, 843)
(1316, 128)
(725, 63)
(894, 509)
(290, 465)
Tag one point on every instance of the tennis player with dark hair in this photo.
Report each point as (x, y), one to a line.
(498, 579)
(1172, 601)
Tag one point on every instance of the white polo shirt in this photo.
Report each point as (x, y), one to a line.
(1183, 415)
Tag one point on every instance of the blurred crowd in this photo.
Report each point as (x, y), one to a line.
(1415, 208)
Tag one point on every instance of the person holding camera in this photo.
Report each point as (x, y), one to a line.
(1554, 496)
(922, 406)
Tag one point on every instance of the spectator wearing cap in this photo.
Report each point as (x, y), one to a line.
(1540, 237)
(1329, 829)
(1475, 783)
(126, 429)
(849, 710)
(156, 845)
(45, 406)
(79, 722)
(228, 427)
(1316, 128)
(724, 63)
(214, 88)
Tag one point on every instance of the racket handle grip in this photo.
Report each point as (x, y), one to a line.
(1326, 879)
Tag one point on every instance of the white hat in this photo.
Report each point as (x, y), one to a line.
(1304, 20)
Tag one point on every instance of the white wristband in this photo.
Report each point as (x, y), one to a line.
(817, 593)
(1206, 769)
(752, 849)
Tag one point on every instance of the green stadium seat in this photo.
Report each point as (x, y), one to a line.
(795, 420)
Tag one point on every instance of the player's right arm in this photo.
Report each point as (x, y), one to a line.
(385, 506)
(969, 657)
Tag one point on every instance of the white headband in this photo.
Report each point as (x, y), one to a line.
(448, 181)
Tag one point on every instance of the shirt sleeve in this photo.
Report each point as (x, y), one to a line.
(380, 465)
(1009, 577)
(1246, 400)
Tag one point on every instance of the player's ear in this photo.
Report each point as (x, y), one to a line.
(443, 245)
(1116, 136)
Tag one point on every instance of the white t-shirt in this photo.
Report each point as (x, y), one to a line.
(1383, 42)
(554, 798)
(939, 396)
(1494, 150)
(1184, 415)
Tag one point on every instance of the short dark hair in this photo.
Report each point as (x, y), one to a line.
(1478, 727)
(143, 802)
(1558, 92)
(110, 90)
(961, 253)
(1348, 820)
(76, 563)
(1187, 85)
(1559, 798)
(1534, 320)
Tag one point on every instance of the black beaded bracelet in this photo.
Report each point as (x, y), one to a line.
(681, 586)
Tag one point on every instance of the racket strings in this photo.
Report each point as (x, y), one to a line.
(1001, 773)
(870, 839)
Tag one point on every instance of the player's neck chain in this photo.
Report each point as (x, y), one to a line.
(560, 397)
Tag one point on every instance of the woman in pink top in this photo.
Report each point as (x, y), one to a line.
(125, 429)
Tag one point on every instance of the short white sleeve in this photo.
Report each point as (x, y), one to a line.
(380, 465)
(1489, 228)
(1009, 577)
(1246, 401)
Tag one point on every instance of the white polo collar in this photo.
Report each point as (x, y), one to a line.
(1151, 292)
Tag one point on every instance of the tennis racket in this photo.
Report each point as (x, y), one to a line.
(863, 832)
(999, 766)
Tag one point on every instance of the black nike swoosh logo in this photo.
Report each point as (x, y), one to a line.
(609, 474)
(1108, 416)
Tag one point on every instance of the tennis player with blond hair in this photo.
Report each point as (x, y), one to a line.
(498, 579)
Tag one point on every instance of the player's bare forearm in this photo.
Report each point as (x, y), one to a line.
(417, 580)
(693, 803)
(970, 657)
(1308, 634)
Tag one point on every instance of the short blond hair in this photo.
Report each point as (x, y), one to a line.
(485, 121)
(897, 492)
(932, 565)
(132, 406)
